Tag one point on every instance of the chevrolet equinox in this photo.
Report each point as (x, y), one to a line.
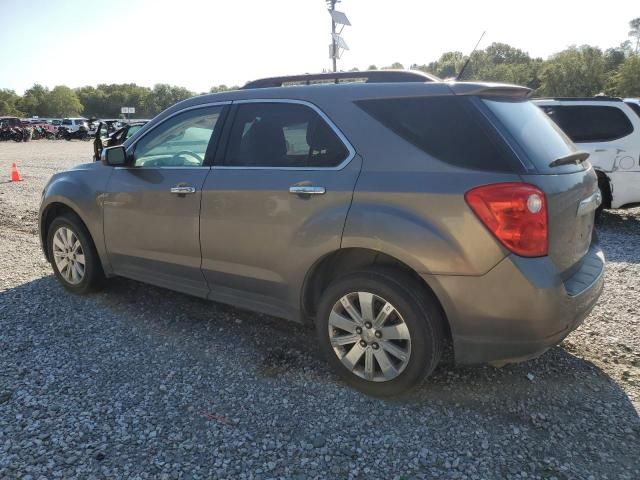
(394, 211)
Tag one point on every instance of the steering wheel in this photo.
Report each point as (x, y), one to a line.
(186, 152)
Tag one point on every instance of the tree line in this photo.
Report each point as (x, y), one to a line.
(576, 71)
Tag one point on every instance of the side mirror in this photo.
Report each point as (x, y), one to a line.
(114, 156)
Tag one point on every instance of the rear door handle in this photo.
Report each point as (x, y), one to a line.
(306, 190)
(183, 190)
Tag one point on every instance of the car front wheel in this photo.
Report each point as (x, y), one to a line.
(380, 331)
(73, 256)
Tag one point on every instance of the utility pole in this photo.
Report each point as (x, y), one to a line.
(334, 50)
(337, 42)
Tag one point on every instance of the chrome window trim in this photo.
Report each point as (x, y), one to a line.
(130, 149)
(315, 108)
(165, 168)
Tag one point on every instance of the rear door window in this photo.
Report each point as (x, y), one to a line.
(590, 123)
(448, 128)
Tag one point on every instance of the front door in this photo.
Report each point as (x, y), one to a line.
(152, 206)
(274, 203)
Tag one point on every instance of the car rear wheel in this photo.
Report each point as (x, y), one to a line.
(73, 256)
(380, 331)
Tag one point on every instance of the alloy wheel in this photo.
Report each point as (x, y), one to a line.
(68, 255)
(369, 336)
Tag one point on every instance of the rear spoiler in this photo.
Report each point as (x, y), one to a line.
(490, 89)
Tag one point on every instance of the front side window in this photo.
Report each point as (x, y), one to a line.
(282, 135)
(590, 123)
(180, 141)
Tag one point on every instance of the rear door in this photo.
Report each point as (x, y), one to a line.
(275, 202)
(152, 206)
(571, 189)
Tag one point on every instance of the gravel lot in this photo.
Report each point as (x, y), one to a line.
(140, 382)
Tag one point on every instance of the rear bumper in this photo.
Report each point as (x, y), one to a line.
(519, 309)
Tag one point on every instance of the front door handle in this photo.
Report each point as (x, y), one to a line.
(182, 190)
(306, 190)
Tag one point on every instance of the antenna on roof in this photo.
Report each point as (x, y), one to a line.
(464, 67)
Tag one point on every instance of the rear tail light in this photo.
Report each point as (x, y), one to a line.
(516, 213)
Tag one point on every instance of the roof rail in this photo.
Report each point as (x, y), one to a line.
(598, 98)
(369, 76)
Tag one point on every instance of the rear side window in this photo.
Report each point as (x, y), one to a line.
(540, 140)
(274, 134)
(448, 128)
(585, 123)
(635, 107)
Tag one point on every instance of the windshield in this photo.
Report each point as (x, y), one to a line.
(535, 133)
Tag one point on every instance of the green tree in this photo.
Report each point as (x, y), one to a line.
(163, 96)
(223, 88)
(8, 101)
(61, 102)
(32, 102)
(447, 66)
(577, 71)
(626, 82)
(394, 66)
(634, 33)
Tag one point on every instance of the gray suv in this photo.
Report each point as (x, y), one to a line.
(395, 212)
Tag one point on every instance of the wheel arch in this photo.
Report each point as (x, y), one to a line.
(604, 183)
(50, 213)
(347, 260)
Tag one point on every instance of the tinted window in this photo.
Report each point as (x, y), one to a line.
(539, 138)
(447, 128)
(583, 123)
(66, 121)
(180, 141)
(635, 107)
(282, 135)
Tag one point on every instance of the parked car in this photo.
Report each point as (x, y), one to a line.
(11, 122)
(634, 103)
(396, 214)
(609, 129)
(108, 136)
(73, 124)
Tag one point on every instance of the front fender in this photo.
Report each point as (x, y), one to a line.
(81, 191)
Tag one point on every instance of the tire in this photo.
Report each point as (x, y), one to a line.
(411, 306)
(92, 275)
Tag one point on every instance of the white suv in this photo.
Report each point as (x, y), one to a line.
(73, 124)
(609, 129)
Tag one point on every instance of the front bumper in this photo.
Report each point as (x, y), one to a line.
(518, 309)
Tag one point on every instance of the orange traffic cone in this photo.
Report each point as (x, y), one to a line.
(15, 174)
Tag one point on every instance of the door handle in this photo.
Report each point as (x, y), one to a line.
(306, 190)
(182, 190)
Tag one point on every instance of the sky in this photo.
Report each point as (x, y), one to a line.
(198, 43)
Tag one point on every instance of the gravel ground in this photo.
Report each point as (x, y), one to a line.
(140, 382)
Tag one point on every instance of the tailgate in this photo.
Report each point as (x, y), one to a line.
(572, 199)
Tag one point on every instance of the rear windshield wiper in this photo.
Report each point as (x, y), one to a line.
(575, 157)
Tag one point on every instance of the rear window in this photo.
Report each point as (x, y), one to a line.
(540, 140)
(585, 123)
(635, 107)
(448, 128)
